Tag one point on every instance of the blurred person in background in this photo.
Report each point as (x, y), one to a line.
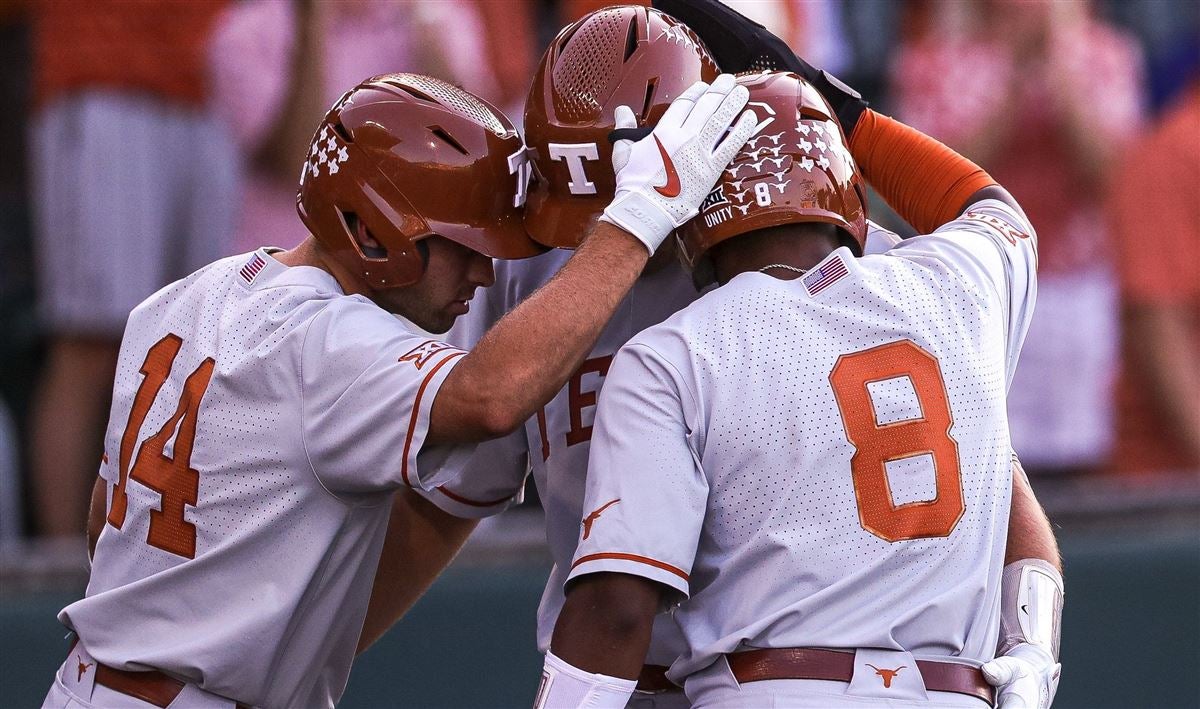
(18, 348)
(1048, 103)
(278, 65)
(1155, 213)
(133, 182)
(10, 481)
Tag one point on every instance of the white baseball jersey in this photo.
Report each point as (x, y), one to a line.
(261, 420)
(556, 442)
(824, 462)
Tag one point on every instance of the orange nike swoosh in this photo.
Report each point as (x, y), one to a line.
(672, 188)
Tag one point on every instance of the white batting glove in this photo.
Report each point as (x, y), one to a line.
(663, 178)
(1025, 678)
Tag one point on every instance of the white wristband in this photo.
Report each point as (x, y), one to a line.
(641, 217)
(565, 686)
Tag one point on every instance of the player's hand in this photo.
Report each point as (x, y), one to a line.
(663, 178)
(741, 44)
(1025, 678)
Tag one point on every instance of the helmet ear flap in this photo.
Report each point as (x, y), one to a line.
(372, 252)
(401, 263)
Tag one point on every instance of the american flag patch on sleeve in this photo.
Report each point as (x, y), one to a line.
(821, 278)
(252, 267)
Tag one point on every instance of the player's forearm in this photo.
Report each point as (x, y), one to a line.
(1164, 352)
(529, 355)
(421, 541)
(926, 182)
(1030, 535)
(605, 624)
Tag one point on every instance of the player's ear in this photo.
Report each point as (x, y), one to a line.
(367, 243)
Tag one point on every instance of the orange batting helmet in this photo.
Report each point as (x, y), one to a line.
(406, 157)
(796, 168)
(628, 55)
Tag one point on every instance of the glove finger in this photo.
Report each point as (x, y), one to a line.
(620, 155)
(736, 140)
(679, 109)
(724, 117)
(623, 117)
(709, 104)
(999, 671)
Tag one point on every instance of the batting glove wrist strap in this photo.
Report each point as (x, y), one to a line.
(1025, 678)
(642, 217)
(662, 178)
(564, 685)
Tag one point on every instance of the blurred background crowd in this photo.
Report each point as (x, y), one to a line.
(176, 128)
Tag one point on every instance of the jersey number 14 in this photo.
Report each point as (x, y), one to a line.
(172, 477)
(876, 445)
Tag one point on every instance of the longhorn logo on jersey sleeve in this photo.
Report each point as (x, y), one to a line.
(595, 515)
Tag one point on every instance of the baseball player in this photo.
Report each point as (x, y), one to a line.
(618, 56)
(813, 460)
(267, 406)
(1023, 676)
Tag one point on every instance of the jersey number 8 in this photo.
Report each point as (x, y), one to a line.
(876, 445)
(172, 477)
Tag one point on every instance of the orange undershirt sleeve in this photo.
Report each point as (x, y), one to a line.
(926, 182)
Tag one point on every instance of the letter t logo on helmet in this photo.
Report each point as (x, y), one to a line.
(629, 55)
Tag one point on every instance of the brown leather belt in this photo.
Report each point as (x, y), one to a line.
(152, 687)
(838, 666)
(653, 679)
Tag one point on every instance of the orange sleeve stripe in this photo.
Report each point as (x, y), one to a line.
(416, 409)
(468, 501)
(926, 182)
(631, 557)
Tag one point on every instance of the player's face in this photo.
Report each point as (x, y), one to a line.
(451, 277)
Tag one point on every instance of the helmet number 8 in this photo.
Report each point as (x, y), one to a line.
(762, 194)
(877, 444)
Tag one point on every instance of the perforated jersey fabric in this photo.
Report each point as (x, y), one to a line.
(723, 465)
(555, 443)
(315, 412)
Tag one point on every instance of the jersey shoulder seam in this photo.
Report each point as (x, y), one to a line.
(679, 375)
